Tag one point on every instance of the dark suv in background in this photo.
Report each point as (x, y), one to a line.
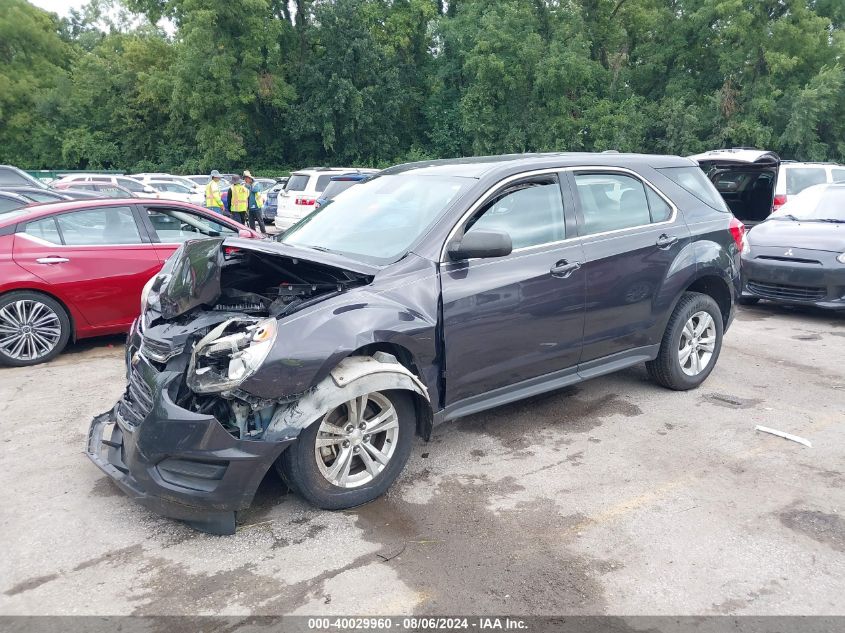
(430, 292)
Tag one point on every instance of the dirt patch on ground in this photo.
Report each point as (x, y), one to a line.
(730, 401)
(521, 425)
(819, 526)
(513, 561)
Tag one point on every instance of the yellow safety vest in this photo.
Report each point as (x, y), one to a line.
(240, 199)
(212, 195)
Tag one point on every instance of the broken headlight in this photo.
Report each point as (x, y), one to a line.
(230, 354)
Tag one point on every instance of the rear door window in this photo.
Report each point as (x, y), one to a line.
(610, 202)
(94, 227)
(799, 178)
(838, 175)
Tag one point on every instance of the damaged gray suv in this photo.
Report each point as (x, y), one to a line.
(433, 291)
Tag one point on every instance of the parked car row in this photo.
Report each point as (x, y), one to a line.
(795, 249)
(795, 255)
(286, 205)
(75, 269)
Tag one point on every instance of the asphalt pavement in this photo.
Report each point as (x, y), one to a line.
(612, 497)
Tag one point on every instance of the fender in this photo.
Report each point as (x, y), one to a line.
(702, 259)
(353, 376)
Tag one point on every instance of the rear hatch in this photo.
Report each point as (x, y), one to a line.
(745, 178)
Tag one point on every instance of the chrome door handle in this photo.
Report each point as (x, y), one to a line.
(564, 269)
(666, 241)
(52, 260)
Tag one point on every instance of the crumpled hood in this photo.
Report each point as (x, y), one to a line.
(818, 236)
(191, 277)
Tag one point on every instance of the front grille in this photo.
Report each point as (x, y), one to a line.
(158, 351)
(137, 401)
(789, 293)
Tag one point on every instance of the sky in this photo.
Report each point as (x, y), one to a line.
(62, 7)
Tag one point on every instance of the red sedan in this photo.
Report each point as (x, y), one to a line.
(76, 269)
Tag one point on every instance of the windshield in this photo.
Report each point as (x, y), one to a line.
(819, 203)
(378, 220)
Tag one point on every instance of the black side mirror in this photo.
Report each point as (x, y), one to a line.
(481, 243)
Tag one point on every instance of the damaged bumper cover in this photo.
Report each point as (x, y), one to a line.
(175, 462)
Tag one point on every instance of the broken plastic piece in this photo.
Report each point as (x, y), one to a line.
(786, 436)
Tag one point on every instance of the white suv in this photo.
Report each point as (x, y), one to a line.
(794, 177)
(300, 194)
(148, 179)
(135, 186)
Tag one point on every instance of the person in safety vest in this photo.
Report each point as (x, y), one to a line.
(213, 201)
(254, 203)
(237, 200)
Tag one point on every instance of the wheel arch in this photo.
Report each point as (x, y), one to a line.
(715, 287)
(422, 406)
(68, 312)
(353, 376)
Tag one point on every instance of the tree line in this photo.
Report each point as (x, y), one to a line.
(275, 84)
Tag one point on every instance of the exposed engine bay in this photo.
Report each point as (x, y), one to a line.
(214, 313)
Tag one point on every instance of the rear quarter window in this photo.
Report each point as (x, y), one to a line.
(693, 180)
(322, 182)
(297, 182)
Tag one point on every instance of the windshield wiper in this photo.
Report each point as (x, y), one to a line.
(788, 216)
(834, 220)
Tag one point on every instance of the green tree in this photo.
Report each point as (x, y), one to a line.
(34, 64)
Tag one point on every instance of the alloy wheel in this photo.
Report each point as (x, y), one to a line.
(356, 441)
(29, 330)
(697, 344)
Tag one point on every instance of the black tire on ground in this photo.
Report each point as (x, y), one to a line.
(666, 368)
(747, 301)
(64, 323)
(297, 465)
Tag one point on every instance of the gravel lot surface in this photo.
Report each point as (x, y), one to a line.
(616, 497)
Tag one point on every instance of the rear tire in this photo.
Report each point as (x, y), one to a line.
(691, 344)
(34, 328)
(310, 471)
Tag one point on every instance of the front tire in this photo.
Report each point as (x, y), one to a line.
(747, 301)
(34, 328)
(353, 453)
(691, 344)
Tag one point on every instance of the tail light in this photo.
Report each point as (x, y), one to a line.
(738, 232)
(779, 201)
(305, 201)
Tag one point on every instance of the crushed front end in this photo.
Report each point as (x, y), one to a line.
(186, 440)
